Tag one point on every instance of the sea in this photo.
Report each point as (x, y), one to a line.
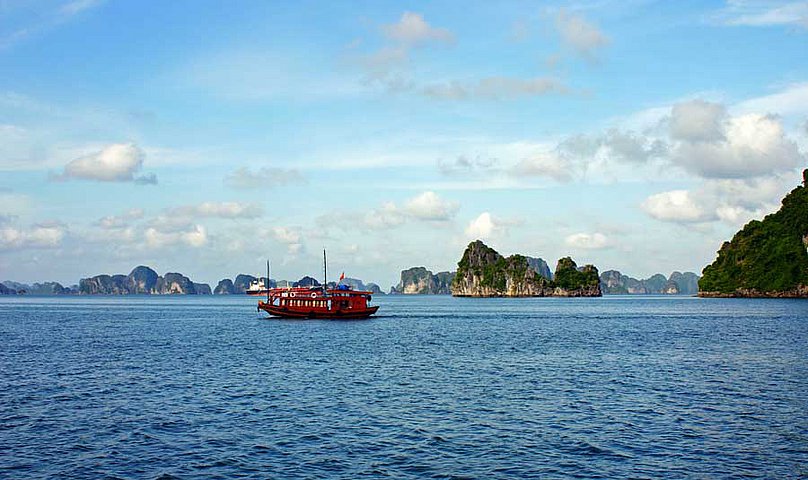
(432, 387)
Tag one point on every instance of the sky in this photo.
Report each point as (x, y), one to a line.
(205, 137)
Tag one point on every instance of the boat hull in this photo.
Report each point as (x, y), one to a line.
(348, 314)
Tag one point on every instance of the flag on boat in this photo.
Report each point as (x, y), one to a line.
(342, 277)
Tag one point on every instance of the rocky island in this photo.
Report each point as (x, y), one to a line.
(420, 281)
(766, 258)
(483, 272)
(142, 280)
(613, 282)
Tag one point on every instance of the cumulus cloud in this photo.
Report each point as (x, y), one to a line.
(412, 29)
(424, 207)
(263, 178)
(41, 235)
(697, 121)
(588, 241)
(733, 201)
(196, 236)
(112, 222)
(496, 88)
(115, 163)
(677, 206)
(430, 207)
(291, 237)
(751, 145)
(486, 226)
(630, 147)
(225, 210)
(582, 36)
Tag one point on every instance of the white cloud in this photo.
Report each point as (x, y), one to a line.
(263, 178)
(226, 210)
(43, 235)
(546, 164)
(732, 201)
(430, 207)
(196, 236)
(792, 100)
(764, 13)
(291, 237)
(579, 34)
(587, 241)
(424, 207)
(753, 145)
(115, 163)
(630, 147)
(486, 226)
(412, 29)
(697, 120)
(677, 206)
(112, 222)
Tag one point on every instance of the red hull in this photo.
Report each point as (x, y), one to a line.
(316, 313)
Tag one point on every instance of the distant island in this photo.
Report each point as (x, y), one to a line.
(613, 282)
(483, 272)
(420, 281)
(766, 258)
(143, 280)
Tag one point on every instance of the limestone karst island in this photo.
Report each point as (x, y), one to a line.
(483, 272)
(767, 258)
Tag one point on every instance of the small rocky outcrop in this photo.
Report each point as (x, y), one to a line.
(357, 284)
(142, 280)
(202, 289)
(483, 272)
(176, 283)
(687, 282)
(420, 281)
(242, 282)
(306, 282)
(374, 288)
(225, 287)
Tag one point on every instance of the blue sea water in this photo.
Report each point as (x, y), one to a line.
(433, 387)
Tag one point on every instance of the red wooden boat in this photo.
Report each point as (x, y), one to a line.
(341, 302)
(318, 302)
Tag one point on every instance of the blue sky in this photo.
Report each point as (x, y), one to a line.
(204, 137)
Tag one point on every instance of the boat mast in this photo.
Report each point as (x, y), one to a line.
(267, 285)
(325, 274)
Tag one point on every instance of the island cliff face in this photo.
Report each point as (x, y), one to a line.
(420, 281)
(483, 272)
(766, 258)
(142, 280)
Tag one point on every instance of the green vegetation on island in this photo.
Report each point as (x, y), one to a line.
(483, 272)
(766, 258)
